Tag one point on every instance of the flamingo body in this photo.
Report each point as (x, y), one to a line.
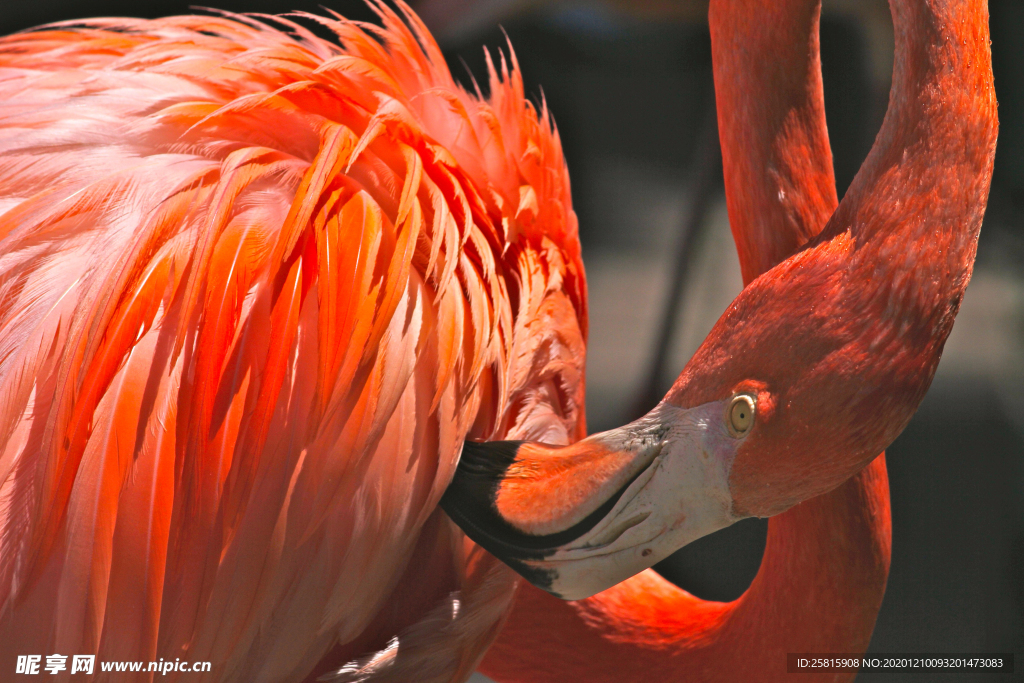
(255, 291)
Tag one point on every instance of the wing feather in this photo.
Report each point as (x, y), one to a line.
(256, 289)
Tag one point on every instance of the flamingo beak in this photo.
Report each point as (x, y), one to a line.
(578, 519)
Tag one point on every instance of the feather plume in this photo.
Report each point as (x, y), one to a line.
(256, 288)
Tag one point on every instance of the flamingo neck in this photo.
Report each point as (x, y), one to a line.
(927, 177)
(915, 208)
(780, 192)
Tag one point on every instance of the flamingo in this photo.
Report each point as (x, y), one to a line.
(863, 315)
(257, 289)
(826, 560)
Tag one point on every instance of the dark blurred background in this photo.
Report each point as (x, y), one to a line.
(630, 86)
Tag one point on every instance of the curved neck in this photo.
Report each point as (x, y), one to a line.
(928, 173)
(780, 192)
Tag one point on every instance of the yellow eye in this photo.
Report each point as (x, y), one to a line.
(739, 416)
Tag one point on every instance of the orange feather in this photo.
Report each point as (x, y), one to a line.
(255, 291)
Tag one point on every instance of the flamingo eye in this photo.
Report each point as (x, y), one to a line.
(739, 416)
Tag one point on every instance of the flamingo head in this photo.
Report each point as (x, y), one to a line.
(808, 376)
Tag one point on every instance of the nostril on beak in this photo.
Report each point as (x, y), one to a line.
(615, 531)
